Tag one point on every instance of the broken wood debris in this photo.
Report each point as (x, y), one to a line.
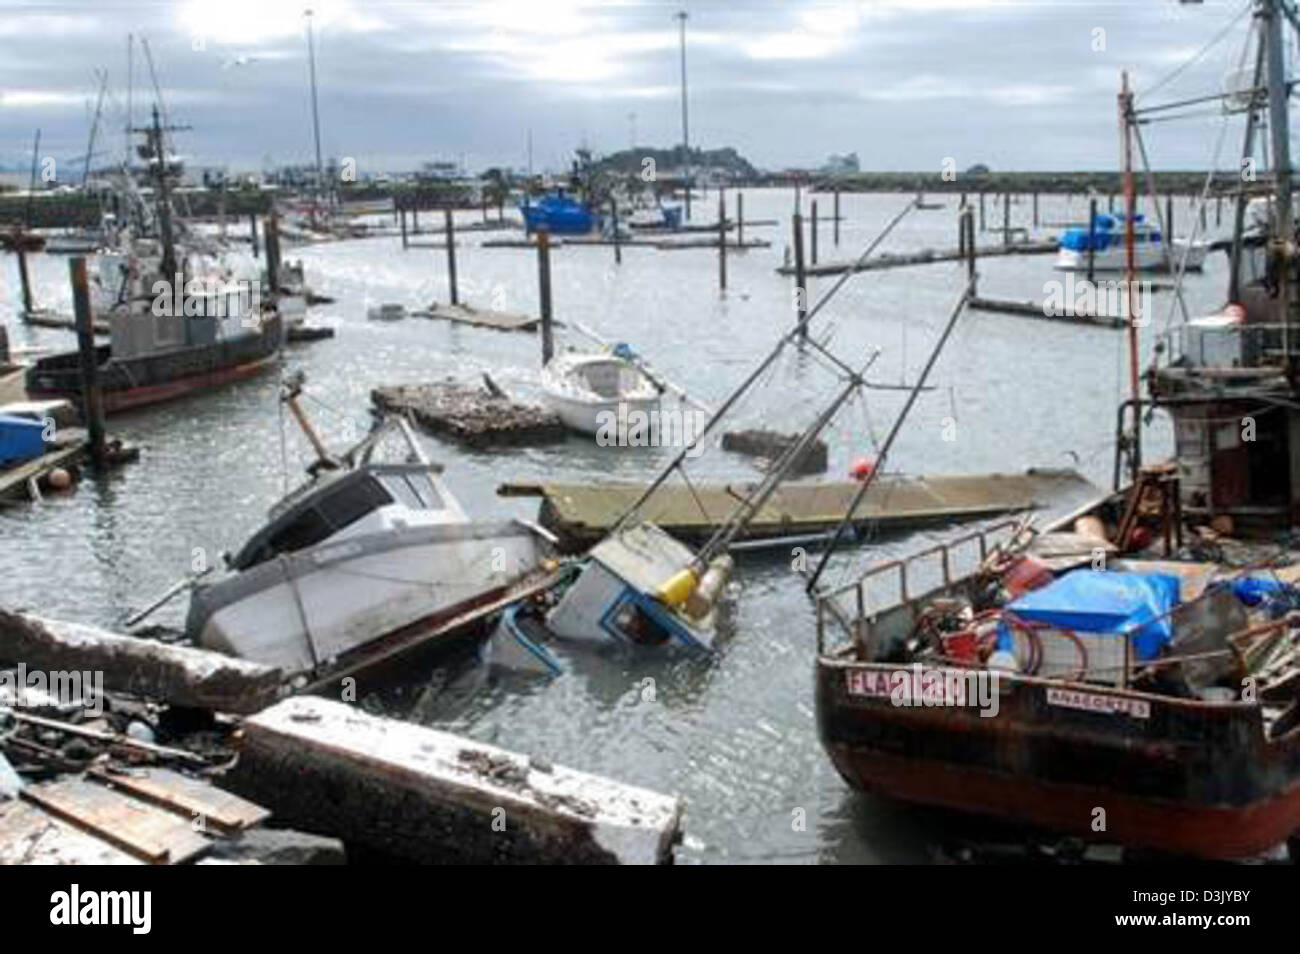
(770, 445)
(472, 415)
(417, 794)
(180, 675)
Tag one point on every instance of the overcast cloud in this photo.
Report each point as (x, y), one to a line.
(904, 83)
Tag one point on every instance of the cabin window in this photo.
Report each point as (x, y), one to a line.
(307, 529)
(352, 501)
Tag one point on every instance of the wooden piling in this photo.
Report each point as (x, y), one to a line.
(969, 230)
(961, 232)
(23, 279)
(740, 219)
(1006, 218)
(1092, 236)
(618, 245)
(404, 238)
(813, 232)
(252, 229)
(1169, 224)
(837, 218)
(1202, 218)
(1110, 204)
(450, 229)
(722, 241)
(544, 293)
(272, 239)
(981, 210)
(800, 278)
(92, 398)
(415, 218)
(1218, 214)
(1035, 210)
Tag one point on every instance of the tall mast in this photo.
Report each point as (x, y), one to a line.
(1130, 208)
(1280, 157)
(130, 116)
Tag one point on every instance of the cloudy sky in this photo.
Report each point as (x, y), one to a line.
(904, 83)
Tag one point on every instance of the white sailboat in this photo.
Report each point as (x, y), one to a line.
(590, 389)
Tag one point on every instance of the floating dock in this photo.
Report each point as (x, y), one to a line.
(1034, 309)
(419, 795)
(16, 481)
(923, 257)
(581, 514)
(473, 416)
(479, 317)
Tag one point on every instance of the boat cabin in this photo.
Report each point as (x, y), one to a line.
(370, 498)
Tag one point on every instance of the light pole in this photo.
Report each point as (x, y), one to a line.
(686, 135)
(315, 112)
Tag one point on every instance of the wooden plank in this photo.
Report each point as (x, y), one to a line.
(28, 836)
(151, 834)
(187, 796)
(13, 482)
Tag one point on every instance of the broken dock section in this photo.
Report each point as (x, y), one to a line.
(479, 317)
(924, 257)
(581, 514)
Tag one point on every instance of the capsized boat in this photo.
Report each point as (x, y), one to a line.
(592, 391)
(1109, 253)
(364, 560)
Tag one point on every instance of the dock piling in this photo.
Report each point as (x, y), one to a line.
(252, 229)
(23, 278)
(1035, 210)
(722, 241)
(981, 210)
(544, 293)
(404, 239)
(272, 239)
(1006, 218)
(800, 279)
(837, 218)
(1092, 236)
(813, 232)
(618, 246)
(450, 229)
(968, 227)
(740, 219)
(92, 398)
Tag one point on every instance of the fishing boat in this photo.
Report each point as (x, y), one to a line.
(1104, 245)
(365, 560)
(179, 322)
(595, 392)
(1130, 673)
(560, 214)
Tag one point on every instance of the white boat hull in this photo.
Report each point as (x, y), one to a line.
(300, 612)
(1146, 258)
(588, 417)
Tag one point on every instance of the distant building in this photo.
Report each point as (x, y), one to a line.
(979, 169)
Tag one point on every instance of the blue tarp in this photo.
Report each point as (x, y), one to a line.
(1098, 601)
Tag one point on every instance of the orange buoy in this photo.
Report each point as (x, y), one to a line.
(862, 468)
(59, 479)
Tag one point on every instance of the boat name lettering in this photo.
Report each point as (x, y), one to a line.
(1097, 702)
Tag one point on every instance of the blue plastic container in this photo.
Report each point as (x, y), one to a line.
(20, 440)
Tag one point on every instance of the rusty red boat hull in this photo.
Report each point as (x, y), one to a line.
(1191, 778)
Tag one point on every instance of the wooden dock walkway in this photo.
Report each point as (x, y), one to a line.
(479, 317)
(581, 514)
(924, 257)
(1034, 309)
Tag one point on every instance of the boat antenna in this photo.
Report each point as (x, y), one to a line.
(31, 182)
(94, 127)
(967, 293)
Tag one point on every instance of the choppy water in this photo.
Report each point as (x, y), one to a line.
(733, 733)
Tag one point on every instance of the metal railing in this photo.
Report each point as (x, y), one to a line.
(904, 573)
(1230, 345)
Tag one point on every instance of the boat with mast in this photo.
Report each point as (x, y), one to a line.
(180, 321)
(1129, 672)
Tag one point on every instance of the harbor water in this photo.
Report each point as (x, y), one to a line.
(734, 733)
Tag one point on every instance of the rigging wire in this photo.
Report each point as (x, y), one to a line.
(1213, 41)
